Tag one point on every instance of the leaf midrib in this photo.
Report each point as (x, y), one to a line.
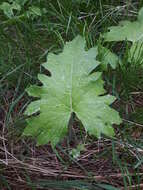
(71, 78)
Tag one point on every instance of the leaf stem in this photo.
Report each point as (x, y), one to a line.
(72, 135)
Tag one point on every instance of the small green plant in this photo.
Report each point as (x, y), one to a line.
(72, 88)
(14, 9)
(106, 57)
(8, 8)
(75, 152)
(129, 31)
(129, 73)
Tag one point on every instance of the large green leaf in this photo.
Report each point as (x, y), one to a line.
(127, 30)
(72, 88)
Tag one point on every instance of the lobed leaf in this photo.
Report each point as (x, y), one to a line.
(72, 88)
(127, 30)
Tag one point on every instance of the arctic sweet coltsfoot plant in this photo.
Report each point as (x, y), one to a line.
(71, 88)
(129, 31)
